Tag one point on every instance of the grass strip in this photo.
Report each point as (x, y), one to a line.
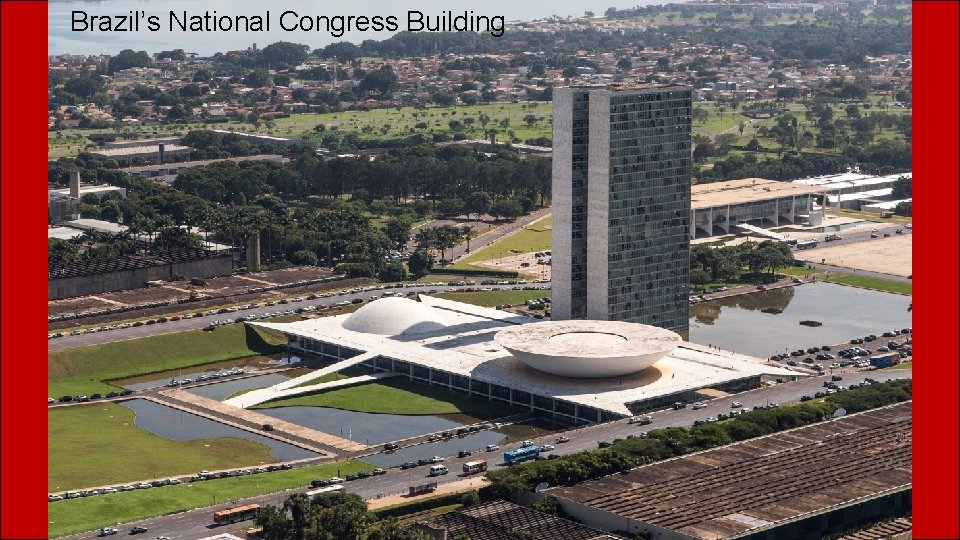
(89, 513)
(397, 396)
(873, 283)
(82, 370)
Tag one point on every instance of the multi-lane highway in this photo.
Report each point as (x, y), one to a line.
(196, 524)
(169, 327)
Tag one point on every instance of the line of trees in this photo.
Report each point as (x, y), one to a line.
(669, 442)
(726, 263)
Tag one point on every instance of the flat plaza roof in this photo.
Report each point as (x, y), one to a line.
(467, 347)
(745, 190)
(760, 482)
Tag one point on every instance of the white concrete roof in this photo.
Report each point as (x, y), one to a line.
(585, 348)
(63, 233)
(466, 346)
(395, 316)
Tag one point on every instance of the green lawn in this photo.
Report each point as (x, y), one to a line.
(872, 283)
(397, 396)
(494, 298)
(324, 378)
(98, 444)
(535, 237)
(82, 370)
(88, 513)
(798, 271)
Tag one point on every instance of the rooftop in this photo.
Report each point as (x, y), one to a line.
(744, 191)
(134, 150)
(726, 491)
(466, 346)
(499, 520)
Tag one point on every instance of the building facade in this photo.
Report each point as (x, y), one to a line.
(621, 196)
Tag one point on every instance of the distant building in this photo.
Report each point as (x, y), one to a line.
(151, 153)
(621, 203)
(260, 137)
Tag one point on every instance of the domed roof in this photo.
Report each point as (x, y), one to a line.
(395, 316)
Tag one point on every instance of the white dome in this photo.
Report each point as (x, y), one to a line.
(395, 316)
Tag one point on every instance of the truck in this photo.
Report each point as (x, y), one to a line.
(472, 467)
(423, 488)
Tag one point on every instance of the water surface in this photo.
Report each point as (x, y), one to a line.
(177, 425)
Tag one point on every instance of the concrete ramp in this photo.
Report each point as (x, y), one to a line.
(290, 387)
(762, 232)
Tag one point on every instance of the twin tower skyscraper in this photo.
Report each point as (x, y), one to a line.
(621, 203)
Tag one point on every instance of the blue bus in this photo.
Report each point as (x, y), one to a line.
(521, 454)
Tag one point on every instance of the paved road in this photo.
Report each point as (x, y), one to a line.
(123, 334)
(484, 240)
(196, 524)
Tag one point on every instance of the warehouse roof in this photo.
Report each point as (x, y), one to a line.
(746, 190)
(759, 482)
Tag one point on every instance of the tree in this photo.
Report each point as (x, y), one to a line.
(84, 86)
(382, 80)
(127, 59)
(420, 263)
(902, 188)
(570, 72)
(625, 64)
(175, 54)
(257, 79)
(663, 64)
(904, 208)
(507, 208)
(284, 54)
(305, 257)
(393, 271)
(754, 145)
(477, 203)
(398, 230)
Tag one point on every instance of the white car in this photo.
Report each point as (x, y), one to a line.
(736, 405)
(546, 447)
(109, 490)
(699, 405)
(51, 498)
(492, 448)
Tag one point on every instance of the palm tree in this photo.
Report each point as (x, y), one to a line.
(465, 231)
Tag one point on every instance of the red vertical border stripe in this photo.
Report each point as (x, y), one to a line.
(935, 147)
(23, 179)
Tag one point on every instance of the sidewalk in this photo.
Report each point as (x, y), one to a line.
(459, 486)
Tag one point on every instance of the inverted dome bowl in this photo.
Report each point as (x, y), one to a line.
(590, 349)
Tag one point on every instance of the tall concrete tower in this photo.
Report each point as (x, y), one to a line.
(621, 203)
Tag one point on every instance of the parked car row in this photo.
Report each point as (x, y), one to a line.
(85, 399)
(207, 376)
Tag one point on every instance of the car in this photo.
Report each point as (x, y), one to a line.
(408, 465)
(378, 471)
(268, 427)
(805, 398)
(699, 405)
(107, 531)
(109, 490)
(792, 363)
(604, 444)
(736, 405)
(562, 439)
(163, 538)
(391, 446)
(874, 235)
(546, 447)
(492, 447)
(138, 529)
(363, 474)
(351, 477)
(553, 456)
(51, 498)
(436, 459)
(464, 453)
(698, 422)
(836, 378)
(710, 419)
(65, 399)
(51, 400)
